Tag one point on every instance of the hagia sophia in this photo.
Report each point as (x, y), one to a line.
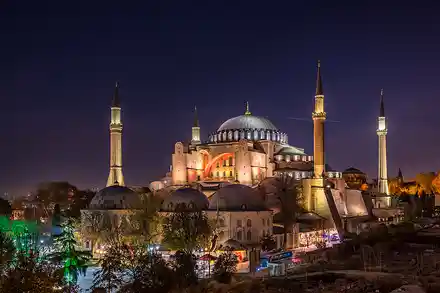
(224, 175)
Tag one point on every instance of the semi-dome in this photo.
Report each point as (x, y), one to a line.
(237, 197)
(116, 197)
(189, 197)
(290, 150)
(247, 122)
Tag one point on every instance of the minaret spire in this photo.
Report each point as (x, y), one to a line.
(115, 176)
(319, 89)
(382, 130)
(195, 131)
(247, 109)
(115, 101)
(196, 118)
(382, 108)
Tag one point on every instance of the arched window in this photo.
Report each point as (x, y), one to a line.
(249, 235)
(230, 135)
(249, 223)
(239, 235)
(262, 134)
(255, 134)
(242, 134)
(248, 135)
(236, 135)
(230, 173)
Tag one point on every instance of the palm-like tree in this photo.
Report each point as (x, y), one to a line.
(290, 198)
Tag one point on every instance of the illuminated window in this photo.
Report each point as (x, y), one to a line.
(230, 135)
(236, 135)
(248, 135)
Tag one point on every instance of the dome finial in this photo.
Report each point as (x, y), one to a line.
(247, 109)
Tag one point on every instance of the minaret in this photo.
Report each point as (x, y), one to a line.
(195, 138)
(319, 117)
(382, 134)
(115, 177)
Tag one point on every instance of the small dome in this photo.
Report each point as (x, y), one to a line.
(237, 197)
(352, 170)
(116, 197)
(290, 150)
(247, 122)
(190, 197)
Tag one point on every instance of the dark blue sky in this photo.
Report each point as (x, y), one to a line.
(59, 63)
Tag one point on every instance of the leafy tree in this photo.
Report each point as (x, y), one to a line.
(291, 200)
(30, 274)
(225, 266)
(144, 224)
(66, 253)
(185, 269)
(147, 272)
(7, 251)
(111, 268)
(186, 230)
(268, 243)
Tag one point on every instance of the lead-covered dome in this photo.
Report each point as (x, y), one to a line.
(236, 197)
(247, 122)
(116, 197)
(247, 127)
(189, 197)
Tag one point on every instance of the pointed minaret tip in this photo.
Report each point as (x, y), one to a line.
(319, 89)
(382, 107)
(196, 118)
(115, 101)
(247, 109)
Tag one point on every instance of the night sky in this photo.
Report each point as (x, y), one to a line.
(59, 64)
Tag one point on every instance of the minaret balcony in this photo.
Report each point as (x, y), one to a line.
(319, 115)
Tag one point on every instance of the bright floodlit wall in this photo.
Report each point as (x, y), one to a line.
(355, 203)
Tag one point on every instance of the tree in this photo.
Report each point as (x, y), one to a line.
(7, 251)
(31, 274)
(291, 200)
(225, 267)
(144, 224)
(130, 269)
(66, 253)
(111, 268)
(185, 268)
(186, 230)
(268, 243)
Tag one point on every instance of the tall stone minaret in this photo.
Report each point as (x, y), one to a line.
(319, 117)
(382, 134)
(195, 138)
(115, 177)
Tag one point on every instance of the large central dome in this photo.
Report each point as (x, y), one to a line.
(247, 127)
(247, 122)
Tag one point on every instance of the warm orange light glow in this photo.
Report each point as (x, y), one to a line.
(221, 157)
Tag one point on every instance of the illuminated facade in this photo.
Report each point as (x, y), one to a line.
(245, 148)
(115, 176)
(382, 134)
